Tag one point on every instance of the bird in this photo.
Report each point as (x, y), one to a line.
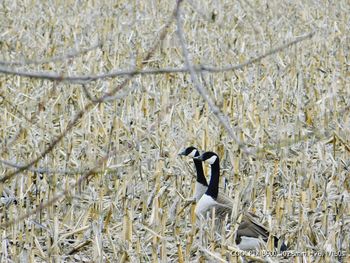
(250, 232)
(201, 185)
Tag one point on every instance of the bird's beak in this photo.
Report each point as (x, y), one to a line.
(198, 158)
(182, 152)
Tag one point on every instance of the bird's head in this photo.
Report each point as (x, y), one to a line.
(209, 157)
(189, 151)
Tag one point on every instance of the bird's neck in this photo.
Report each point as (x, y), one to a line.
(200, 173)
(213, 188)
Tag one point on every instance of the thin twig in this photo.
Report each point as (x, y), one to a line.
(14, 107)
(89, 106)
(88, 175)
(43, 170)
(220, 116)
(52, 144)
(258, 58)
(133, 72)
(313, 131)
(68, 55)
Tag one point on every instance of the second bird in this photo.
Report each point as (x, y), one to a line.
(250, 233)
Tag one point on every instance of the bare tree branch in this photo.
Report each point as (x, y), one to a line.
(286, 143)
(43, 170)
(89, 106)
(313, 131)
(258, 58)
(220, 116)
(19, 132)
(68, 55)
(89, 174)
(132, 72)
(52, 144)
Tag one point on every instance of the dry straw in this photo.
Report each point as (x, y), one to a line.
(97, 99)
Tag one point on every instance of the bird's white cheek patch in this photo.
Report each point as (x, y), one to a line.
(212, 159)
(205, 203)
(193, 153)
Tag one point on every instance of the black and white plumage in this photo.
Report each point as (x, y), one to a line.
(250, 232)
(212, 198)
(201, 185)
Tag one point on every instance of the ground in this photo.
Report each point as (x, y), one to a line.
(97, 100)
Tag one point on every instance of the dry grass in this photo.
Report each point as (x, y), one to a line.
(96, 100)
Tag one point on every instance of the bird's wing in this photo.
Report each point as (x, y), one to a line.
(224, 200)
(251, 228)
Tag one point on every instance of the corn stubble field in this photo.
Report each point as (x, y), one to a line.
(89, 166)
